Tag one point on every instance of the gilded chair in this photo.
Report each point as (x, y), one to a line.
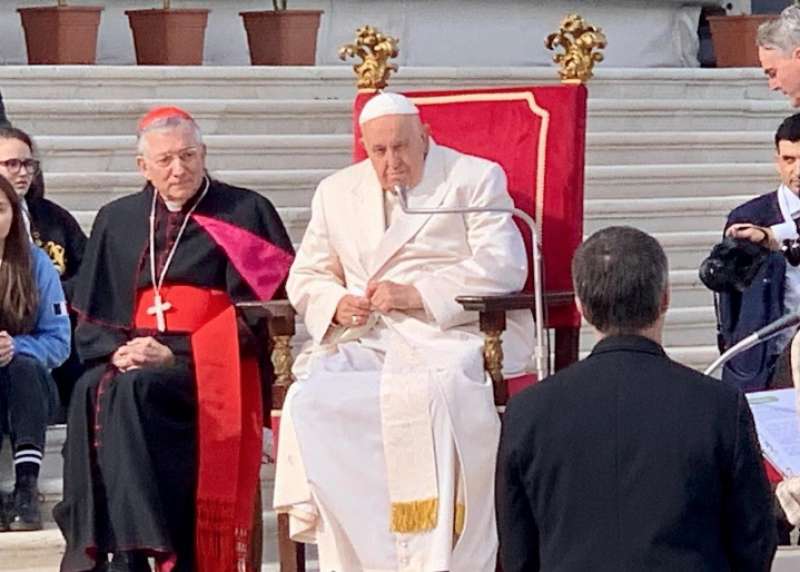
(537, 134)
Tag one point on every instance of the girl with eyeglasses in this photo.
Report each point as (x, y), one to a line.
(50, 226)
(34, 338)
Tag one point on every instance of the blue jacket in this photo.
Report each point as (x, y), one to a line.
(49, 341)
(739, 314)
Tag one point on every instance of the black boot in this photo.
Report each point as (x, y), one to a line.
(26, 514)
(129, 562)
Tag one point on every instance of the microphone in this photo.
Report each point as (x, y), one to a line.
(401, 193)
(762, 335)
(542, 355)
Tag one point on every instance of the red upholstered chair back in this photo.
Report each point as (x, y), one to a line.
(537, 134)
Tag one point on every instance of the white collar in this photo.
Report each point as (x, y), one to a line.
(789, 203)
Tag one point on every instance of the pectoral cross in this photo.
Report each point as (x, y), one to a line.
(158, 308)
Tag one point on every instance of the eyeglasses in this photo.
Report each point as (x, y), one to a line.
(188, 155)
(14, 165)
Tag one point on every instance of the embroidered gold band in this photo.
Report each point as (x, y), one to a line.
(414, 516)
(458, 522)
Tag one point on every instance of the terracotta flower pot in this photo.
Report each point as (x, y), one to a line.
(734, 39)
(174, 37)
(282, 38)
(61, 34)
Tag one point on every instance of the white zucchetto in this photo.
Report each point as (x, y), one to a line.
(387, 104)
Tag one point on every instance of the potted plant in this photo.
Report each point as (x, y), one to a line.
(168, 36)
(61, 34)
(733, 37)
(282, 37)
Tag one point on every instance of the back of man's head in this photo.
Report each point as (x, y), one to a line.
(789, 130)
(620, 276)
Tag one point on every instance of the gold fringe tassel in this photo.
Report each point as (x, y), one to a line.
(414, 516)
(458, 523)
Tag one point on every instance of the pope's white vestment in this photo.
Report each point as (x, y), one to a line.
(389, 435)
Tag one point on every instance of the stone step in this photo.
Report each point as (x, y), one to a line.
(679, 180)
(651, 150)
(607, 187)
(656, 148)
(658, 215)
(686, 250)
(230, 116)
(41, 552)
(115, 153)
(684, 326)
(261, 82)
(333, 116)
(684, 115)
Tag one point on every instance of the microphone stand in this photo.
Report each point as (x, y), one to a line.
(542, 364)
(766, 333)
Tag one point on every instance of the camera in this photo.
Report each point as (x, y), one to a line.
(791, 251)
(734, 263)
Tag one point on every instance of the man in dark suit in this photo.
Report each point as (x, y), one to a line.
(768, 219)
(627, 460)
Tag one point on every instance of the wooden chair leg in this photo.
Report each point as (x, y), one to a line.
(292, 555)
(567, 342)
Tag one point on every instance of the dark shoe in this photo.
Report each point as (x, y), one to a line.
(129, 562)
(25, 514)
(4, 509)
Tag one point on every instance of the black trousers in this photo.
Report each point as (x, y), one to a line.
(130, 466)
(27, 400)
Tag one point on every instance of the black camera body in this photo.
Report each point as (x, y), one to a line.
(733, 264)
(791, 251)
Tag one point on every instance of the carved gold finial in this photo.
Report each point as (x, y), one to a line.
(493, 364)
(579, 40)
(374, 49)
(282, 360)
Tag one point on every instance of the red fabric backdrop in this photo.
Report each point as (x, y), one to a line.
(537, 134)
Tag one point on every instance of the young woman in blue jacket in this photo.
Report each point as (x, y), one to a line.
(34, 338)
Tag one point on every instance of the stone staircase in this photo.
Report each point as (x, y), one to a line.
(670, 151)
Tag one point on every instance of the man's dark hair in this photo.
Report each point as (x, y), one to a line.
(620, 276)
(789, 130)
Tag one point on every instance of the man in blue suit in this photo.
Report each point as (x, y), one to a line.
(768, 220)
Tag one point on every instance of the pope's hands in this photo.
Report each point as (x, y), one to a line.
(386, 296)
(383, 297)
(788, 493)
(6, 348)
(142, 352)
(758, 234)
(352, 311)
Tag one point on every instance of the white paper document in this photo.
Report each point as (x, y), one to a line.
(778, 427)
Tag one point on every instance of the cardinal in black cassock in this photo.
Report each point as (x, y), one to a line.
(163, 460)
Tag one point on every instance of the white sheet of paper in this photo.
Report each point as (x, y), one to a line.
(778, 428)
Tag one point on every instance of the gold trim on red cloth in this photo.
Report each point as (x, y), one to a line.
(541, 113)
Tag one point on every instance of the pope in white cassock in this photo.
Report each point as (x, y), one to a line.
(388, 439)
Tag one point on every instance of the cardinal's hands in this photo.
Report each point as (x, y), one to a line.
(142, 352)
